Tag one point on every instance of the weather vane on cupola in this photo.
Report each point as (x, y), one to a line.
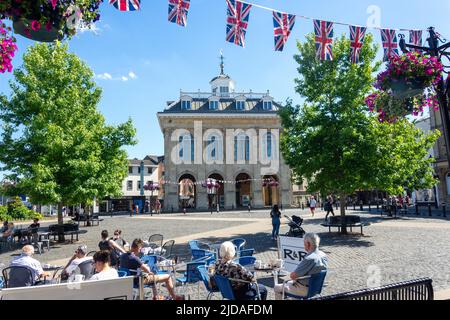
(222, 64)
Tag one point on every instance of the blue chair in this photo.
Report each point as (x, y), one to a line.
(193, 244)
(152, 262)
(239, 243)
(226, 289)
(246, 261)
(192, 275)
(315, 286)
(2, 283)
(122, 273)
(199, 254)
(247, 253)
(206, 281)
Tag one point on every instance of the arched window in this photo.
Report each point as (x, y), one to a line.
(241, 147)
(214, 148)
(187, 145)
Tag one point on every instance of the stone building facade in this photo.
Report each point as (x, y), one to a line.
(222, 148)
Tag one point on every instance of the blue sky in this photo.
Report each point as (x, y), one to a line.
(159, 58)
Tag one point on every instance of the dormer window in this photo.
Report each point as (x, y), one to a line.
(267, 105)
(213, 105)
(240, 105)
(186, 105)
(224, 91)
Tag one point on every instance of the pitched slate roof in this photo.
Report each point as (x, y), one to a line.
(226, 105)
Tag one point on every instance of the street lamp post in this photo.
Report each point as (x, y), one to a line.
(442, 88)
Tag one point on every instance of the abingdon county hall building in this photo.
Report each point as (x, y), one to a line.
(222, 147)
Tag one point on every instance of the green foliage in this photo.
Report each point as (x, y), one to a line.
(55, 142)
(16, 210)
(331, 140)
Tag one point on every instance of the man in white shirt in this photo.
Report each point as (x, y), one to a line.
(78, 258)
(26, 260)
(102, 260)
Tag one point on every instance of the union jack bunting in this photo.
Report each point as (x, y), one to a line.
(415, 38)
(357, 35)
(126, 5)
(237, 21)
(283, 24)
(390, 44)
(324, 39)
(178, 11)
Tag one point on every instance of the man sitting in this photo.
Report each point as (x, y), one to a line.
(314, 262)
(78, 258)
(131, 261)
(26, 260)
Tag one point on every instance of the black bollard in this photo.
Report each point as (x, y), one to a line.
(378, 206)
(429, 210)
(417, 209)
(354, 207)
(370, 209)
(444, 210)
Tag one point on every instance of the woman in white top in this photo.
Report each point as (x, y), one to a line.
(102, 260)
(312, 205)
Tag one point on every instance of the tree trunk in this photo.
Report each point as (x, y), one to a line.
(343, 200)
(87, 212)
(61, 237)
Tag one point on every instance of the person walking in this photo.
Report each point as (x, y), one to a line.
(312, 205)
(275, 214)
(329, 207)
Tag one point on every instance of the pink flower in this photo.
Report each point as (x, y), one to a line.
(54, 3)
(48, 26)
(35, 25)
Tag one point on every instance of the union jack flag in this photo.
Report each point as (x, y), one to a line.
(283, 24)
(415, 38)
(126, 5)
(390, 44)
(178, 11)
(237, 21)
(324, 39)
(357, 35)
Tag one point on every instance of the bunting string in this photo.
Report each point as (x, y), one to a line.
(238, 17)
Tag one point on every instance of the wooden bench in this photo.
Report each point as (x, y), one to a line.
(350, 221)
(94, 219)
(420, 289)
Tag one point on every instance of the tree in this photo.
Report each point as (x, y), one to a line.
(55, 143)
(331, 140)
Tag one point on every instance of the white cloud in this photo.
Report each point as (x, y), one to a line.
(104, 76)
(91, 28)
(107, 76)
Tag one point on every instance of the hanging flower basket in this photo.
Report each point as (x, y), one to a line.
(406, 87)
(50, 20)
(402, 89)
(407, 74)
(24, 28)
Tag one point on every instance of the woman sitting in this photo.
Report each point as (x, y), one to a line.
(227, 268)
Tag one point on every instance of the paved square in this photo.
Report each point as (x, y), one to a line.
(390, 251)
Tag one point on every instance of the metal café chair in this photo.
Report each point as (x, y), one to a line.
(246, 261)
(167, 249)
(16, 277)
(239, 243)
(226, 288)
(156, 241)
(86, 268)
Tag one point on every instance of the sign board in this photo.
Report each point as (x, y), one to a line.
(291, 251)
(116, 289)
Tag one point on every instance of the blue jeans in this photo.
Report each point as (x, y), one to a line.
(275, 230)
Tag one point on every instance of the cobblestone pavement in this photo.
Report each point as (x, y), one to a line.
(390, 251)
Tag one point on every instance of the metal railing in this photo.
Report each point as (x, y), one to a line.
(420, 289)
